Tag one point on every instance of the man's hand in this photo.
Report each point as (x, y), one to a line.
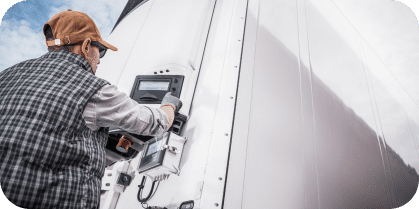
(171, 100)
(170, 112)
(170, 105)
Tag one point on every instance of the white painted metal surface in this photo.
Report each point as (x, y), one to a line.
(228, 16)
(204, 161)
(274, 164)
(109, 181)
(295, 124)
(239, 142)
(112, 192)
(316, 116)
(178, 40)
(159, 35)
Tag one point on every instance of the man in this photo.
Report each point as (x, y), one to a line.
(54, 114)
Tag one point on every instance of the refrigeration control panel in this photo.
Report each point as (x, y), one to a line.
(150, 89)
(161, 156)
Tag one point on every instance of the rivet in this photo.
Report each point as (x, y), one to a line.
(216, 204)
(231, 97)
(108, 184)
(219, 178)
(155, 72)
(226, 134)
(235, 66)
(109, 174)
(239, 40)
(167, 70)
(161, 71)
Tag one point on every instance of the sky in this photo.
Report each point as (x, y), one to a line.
(21, 36)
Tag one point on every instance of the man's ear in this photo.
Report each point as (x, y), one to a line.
(85, 48)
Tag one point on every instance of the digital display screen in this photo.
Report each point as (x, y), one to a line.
(152, 148)
(154, 85)
(187, 206)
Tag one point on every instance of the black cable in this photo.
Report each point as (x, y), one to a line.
(141, 187)
(155, 190)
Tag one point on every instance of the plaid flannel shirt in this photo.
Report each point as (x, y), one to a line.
(49, 158)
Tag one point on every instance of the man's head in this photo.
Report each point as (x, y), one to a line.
(76, 32)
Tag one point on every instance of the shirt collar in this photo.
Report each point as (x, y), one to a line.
(70, 56)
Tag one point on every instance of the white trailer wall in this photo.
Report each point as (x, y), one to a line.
(320, 122)
(174, 33)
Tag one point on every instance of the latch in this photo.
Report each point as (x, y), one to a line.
(171, 149)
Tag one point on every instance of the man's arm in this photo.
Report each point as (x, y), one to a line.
(110, 107)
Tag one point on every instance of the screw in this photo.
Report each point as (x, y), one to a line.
(155, 72)
(161, 71)
(239, 40)
(108, 184)
(167, 70)
(226, 134)
(216, 204)
(109, 174)
(219, 178)
(235, 66)
(231, 97)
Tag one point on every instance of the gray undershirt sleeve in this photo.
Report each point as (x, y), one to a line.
(110, 107)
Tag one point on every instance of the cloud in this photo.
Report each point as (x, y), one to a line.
(104, 13)
(18, 42)
(55, 10)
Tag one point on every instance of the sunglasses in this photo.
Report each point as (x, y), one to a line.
(102, 49)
